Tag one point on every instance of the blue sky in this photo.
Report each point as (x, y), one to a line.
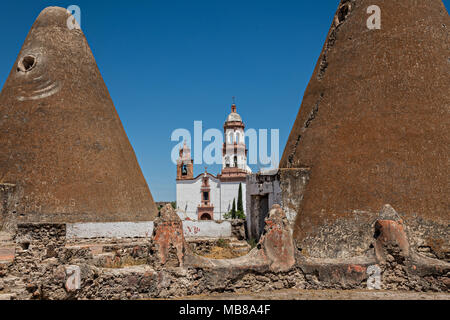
(169, 63)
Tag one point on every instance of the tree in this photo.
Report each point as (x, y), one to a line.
(240, 204)
(233, 210)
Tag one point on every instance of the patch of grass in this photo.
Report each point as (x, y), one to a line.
(252, 242)
(223, 253)
(222, 243)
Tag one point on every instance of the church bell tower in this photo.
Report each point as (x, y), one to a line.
(185, 165)
(234, 157)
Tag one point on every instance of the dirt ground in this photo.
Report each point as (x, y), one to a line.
(295, 294)
(223, 253)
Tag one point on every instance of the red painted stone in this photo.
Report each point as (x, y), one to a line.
(277, 241)
(390, 232)
(168, 234)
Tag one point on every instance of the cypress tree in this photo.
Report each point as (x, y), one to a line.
(233, 210)
(240, 204)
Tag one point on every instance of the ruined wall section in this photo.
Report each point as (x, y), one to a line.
(285, 187)
(293, 183)
(44, 265)
(260, 186)
(356, 236)
(9, 203)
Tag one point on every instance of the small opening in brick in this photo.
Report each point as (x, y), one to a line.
(377, 233)
(26, 64)
(25, 245)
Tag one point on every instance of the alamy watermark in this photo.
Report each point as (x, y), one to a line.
(214, 153)
(74, 21)
(374, 279)
(374, 21)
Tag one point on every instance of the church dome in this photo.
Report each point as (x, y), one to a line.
(234, 116)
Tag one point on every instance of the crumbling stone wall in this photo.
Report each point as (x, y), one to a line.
(38, 252)
(293, 182)
(260, 186)
(355, 234)
(285, 187)
(48, 266)
(238, 229)
(8, 204)
(429, 238)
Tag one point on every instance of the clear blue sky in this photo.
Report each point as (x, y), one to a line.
(168, 63)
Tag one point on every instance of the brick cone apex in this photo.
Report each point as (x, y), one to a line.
(62, 142)
(374, 122)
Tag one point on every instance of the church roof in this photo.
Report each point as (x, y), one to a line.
(234, 117)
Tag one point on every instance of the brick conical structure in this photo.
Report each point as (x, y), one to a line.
(62, 143)
(374, 123)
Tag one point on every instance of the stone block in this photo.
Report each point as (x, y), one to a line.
(73, 278)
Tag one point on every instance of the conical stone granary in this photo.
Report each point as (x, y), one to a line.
(63, 149)
(373, 128)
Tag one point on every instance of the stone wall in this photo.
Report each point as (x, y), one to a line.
(8, 203)
(293, 182)
(207, 229)
(285, 187)
(109, 230)
(192, 229)
(238, 229)
(47, 265)
(263, 191)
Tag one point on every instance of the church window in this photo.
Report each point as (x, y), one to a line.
(235, 161)
(184, 170)
(205, 196)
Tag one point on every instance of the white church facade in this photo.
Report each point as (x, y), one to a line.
(210, 197)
